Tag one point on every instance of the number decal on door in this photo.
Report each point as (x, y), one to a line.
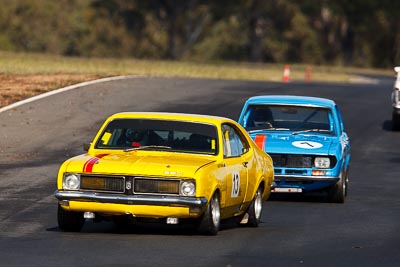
(235, 184)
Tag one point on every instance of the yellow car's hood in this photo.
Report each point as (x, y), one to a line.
(140, 163)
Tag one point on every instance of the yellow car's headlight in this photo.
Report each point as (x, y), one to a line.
(71, 181)
(322, 162)
(188, 188)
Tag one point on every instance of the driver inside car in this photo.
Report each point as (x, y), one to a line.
(136, 138)
(262, 117)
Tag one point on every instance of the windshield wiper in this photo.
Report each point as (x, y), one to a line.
(266, 129)
(312, 130)
(147, 147)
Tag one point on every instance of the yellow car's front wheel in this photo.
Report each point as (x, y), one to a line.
(211, 218)
(70, 221)
(255, 209)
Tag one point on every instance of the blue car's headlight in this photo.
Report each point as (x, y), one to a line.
(71, 181)
(322, 162)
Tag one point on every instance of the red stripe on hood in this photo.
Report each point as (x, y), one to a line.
(88, 167)
(260, 140)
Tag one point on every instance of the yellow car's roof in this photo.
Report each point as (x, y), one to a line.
(171, 116)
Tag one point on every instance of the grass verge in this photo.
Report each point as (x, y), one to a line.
(23, 75)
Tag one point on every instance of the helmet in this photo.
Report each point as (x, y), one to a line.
(262, 117)
(134, 135)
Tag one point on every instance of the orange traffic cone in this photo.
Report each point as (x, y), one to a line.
(286, 74)
(308, 74)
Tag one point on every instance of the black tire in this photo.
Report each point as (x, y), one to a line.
(211, 219)
(338, 192)
(346, 179)
(70, 221)
(395, 121)
(255, 209)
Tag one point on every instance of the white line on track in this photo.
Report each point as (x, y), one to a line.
(64, 89)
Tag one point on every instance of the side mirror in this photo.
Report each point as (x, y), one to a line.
(86, 146)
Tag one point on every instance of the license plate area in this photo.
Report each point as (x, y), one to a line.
(287, 190)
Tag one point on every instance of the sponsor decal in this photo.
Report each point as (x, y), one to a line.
(88, 166)
(260, 140)
(307, 144)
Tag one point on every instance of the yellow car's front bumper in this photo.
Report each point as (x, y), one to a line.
(136, 205)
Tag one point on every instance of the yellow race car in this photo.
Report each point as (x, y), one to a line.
(167, 167)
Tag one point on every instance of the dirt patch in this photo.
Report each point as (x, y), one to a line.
(14, 88)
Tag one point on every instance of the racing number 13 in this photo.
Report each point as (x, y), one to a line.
(235, 184)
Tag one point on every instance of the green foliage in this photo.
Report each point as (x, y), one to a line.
(41, 26)
(224, 42)
(359, 33)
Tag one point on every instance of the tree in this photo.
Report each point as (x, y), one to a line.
(359, 32)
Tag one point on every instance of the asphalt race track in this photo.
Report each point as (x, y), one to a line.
(35, 138)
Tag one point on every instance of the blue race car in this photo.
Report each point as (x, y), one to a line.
(306, 139)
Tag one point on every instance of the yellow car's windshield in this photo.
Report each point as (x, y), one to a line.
(152, 134)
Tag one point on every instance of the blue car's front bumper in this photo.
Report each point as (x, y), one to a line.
(301, 183)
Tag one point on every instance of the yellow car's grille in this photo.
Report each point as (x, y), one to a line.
(121, 184)
(103, 184)
(156, 186)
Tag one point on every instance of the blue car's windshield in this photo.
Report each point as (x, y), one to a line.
(288, 118)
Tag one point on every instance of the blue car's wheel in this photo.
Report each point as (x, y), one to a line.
(338, 192)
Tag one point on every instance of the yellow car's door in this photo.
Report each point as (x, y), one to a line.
(236, 173)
